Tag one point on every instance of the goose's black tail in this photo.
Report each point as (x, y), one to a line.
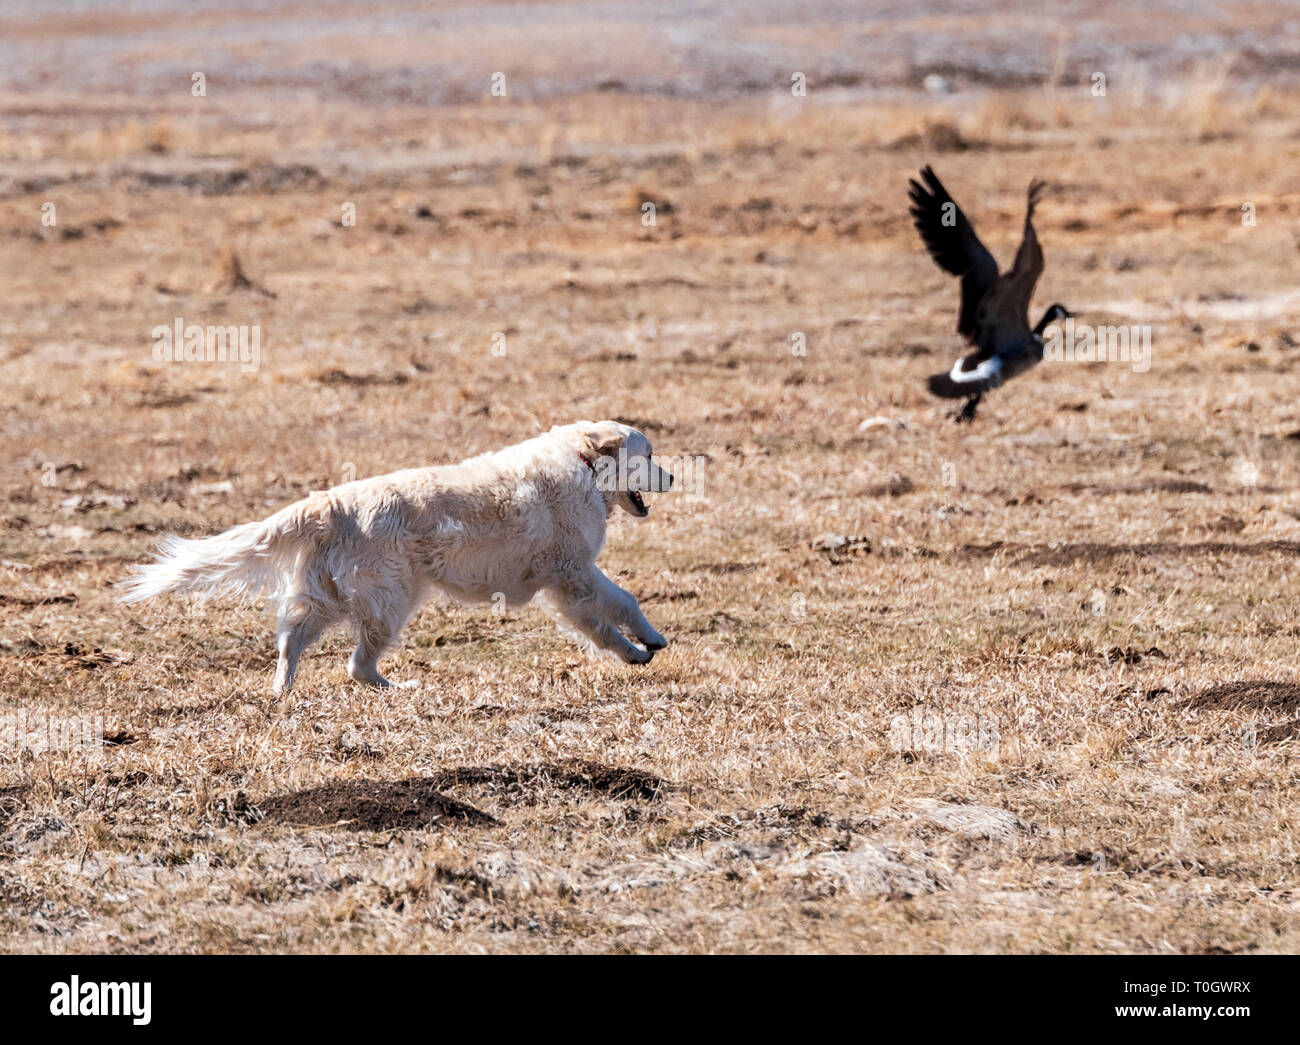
(945, 387)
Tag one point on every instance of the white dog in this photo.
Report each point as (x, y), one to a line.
(525, 520)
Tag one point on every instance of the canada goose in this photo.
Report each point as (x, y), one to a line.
(994, 313)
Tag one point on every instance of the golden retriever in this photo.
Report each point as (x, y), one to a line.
(524, 521)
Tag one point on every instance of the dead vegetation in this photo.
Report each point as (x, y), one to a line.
(1024, 686)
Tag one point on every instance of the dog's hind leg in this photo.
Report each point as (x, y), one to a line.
(301, 623)
(380, 604)
(373, 637)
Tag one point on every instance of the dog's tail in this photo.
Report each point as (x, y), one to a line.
(249, 560)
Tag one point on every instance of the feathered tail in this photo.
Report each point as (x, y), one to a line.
(944, 386)
(971, 376)
(249, 560)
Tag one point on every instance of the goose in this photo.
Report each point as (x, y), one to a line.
(994, 314)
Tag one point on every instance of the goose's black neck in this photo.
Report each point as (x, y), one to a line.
(1049, 317)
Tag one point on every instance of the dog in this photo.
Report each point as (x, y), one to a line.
(516, 523)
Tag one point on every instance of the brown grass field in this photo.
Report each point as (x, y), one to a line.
(1098, 577)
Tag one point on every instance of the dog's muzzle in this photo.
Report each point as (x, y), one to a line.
(660, 481)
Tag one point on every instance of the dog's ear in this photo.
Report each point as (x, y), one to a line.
(605, 439)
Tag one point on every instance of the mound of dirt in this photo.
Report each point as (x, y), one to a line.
(420, 802)
(371, 805)
(1272, 698)
(1249, 695)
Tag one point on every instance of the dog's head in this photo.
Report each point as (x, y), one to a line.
(621, 459)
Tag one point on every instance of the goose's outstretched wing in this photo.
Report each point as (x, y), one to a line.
(1008, 306)
(951, 241)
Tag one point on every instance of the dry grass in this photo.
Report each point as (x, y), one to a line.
(1081, 569)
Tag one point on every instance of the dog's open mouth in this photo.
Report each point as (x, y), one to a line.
(638, 502)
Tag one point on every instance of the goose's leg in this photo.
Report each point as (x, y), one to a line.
(967, 414)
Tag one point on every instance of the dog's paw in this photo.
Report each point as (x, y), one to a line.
(636, 655)
(655, 642)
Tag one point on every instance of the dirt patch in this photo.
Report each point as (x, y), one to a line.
(216, 182)
(1129, 862)
(135, 778)
(894, 486)
(338, 376)
(77, 655)
(1138, 486)
(839, 547)
(420, 802)
(1277, 734)
(770, 822)
(1249, 695)
(981, 551)
(1273, 698)
(1226, 524)
(371, 805)
(28, 601)
(573, 774)
(1089, 552)
(1132, 655)
(722, 569)
(670, 596)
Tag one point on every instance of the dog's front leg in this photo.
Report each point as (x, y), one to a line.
(583, 603)
(621, 605)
